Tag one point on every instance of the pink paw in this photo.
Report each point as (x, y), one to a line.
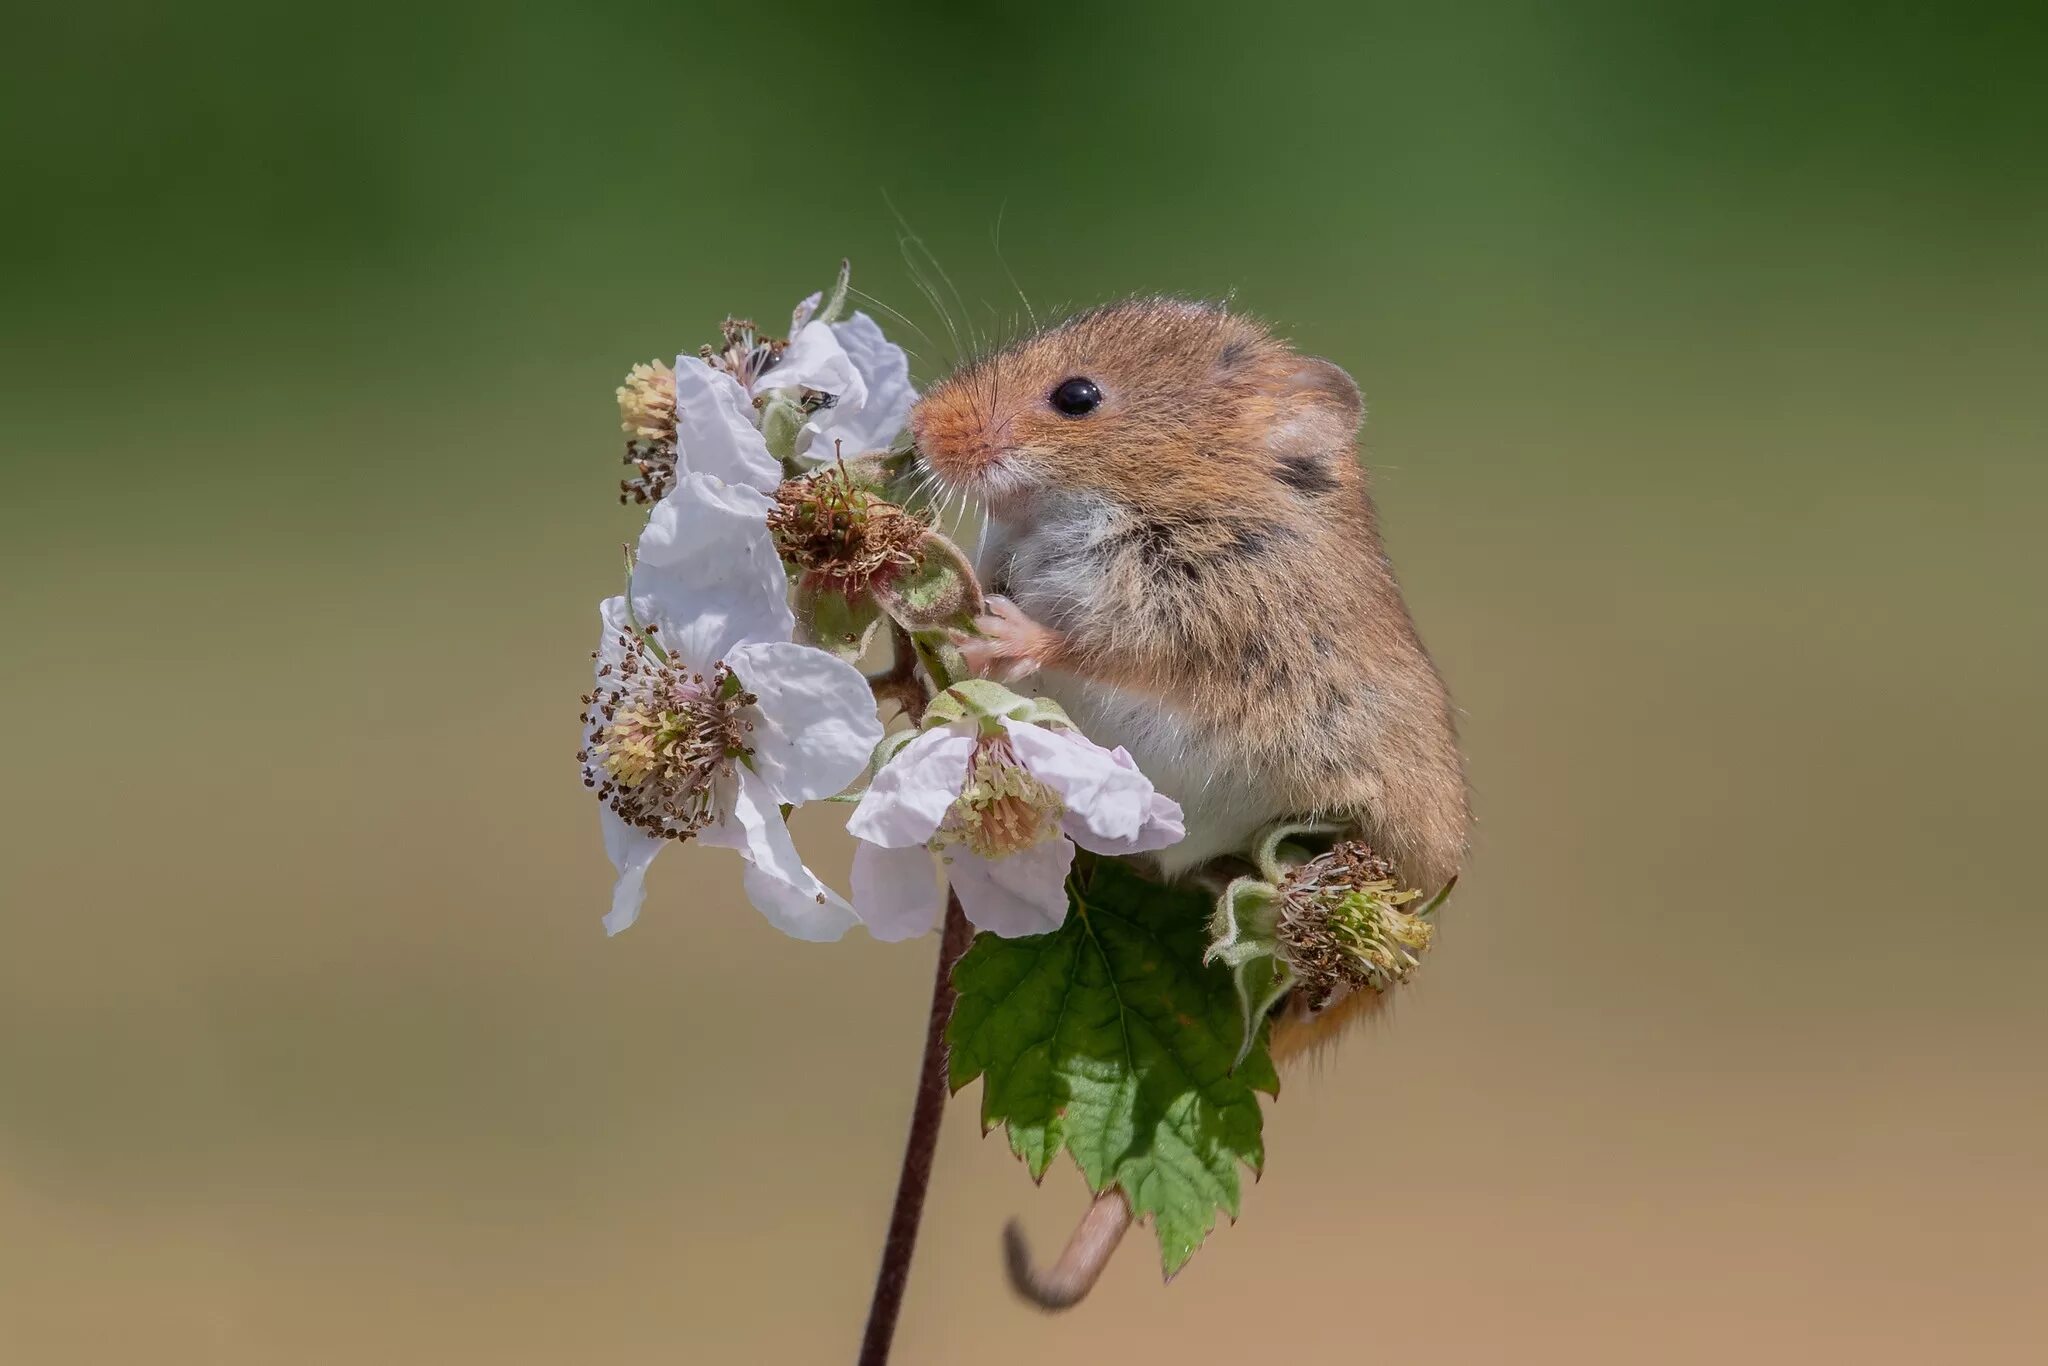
(1011, 645)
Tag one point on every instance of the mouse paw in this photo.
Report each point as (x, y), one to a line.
(1010, 646)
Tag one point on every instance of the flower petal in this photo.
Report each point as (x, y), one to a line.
(631, 850)
(815, 724)
(910, 796)
(814, 359)
(1024, 893)
(709, 564)
(715, 432)
(1105, 799)
(885, 372)
(809, 910)
(896, 892)
(781, 888)
(1163, 825)
(752, 823)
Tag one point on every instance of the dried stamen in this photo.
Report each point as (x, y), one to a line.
(662, 738)
(839, 535)
(1342, 925)
(744, 352)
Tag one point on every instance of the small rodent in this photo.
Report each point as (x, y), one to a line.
(1186, 558)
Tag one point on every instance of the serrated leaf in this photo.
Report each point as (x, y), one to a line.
(1113, 1039)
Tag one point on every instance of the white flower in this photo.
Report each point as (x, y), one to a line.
(719, 401)
(706, 718)
(1003, 809)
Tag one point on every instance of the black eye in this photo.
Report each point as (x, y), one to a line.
(1077, 397)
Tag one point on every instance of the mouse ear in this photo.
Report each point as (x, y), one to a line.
(1317, 411)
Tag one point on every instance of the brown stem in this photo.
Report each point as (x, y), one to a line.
(918, 1151)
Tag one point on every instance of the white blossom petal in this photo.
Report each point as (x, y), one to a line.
(631, 851)
(809, 910)
(715, 432)
(885, 372)
(1106, 799)
(793, 898)
(709, 564)
(1019, 894)
(814, 359)
(896, 892)
(910, 796)
(815, 725)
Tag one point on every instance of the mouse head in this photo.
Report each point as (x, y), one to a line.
(1140, 402)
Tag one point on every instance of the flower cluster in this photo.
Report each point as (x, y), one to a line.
(717, 707)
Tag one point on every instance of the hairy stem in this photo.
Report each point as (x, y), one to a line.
(918, 1151)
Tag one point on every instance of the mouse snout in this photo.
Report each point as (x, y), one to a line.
(951, 436)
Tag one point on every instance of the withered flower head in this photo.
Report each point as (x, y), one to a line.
(838, 534)
(647, 413)
(1342, 925)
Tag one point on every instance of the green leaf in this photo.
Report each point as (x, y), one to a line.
(1112, 1038)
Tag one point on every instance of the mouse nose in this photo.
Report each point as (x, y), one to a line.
(948, 435)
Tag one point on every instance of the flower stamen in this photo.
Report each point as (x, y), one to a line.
(647, 413)
(1003, 808)
(839, 535)
(662, 739)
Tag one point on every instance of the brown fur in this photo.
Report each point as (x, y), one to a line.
(1226, 562)
(1247, 587)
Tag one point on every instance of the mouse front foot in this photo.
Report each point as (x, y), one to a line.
(1010, 645)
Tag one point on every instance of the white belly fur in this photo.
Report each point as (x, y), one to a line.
(1038, 564)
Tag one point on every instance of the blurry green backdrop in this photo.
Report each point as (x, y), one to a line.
(1704, 349)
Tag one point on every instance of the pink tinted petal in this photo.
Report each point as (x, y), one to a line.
(896, 892)
(715, 432)
(1163, 826)
(631, 850)
(1108, 799)
(1025, 893)
(909, 797)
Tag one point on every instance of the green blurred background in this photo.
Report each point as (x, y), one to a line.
(1704, 347)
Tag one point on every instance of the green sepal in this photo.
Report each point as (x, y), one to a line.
(1244, 938)
(833, 621)
(938, 593)
(782, 420)
(1275, 851)
(1112, 1039)
(834, 307)
(988, 704)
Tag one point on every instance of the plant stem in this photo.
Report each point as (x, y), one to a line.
(918, 1150)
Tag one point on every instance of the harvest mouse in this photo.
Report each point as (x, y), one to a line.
(1184, 555)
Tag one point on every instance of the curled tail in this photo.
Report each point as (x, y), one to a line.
(1080, 1263)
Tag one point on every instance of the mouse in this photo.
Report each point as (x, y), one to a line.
(1181, 549)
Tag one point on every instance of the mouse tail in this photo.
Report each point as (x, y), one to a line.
(1067, 1282)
